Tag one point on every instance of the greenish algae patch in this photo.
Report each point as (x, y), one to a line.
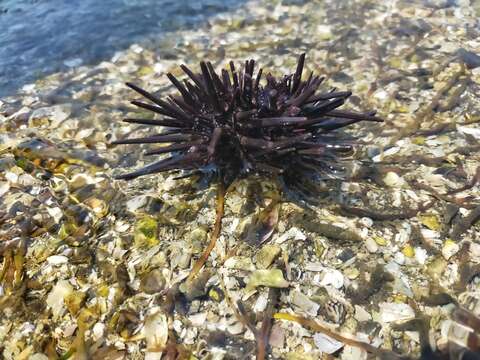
(146, 230)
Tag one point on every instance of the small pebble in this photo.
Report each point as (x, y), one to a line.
(371, 245)
(449, 249)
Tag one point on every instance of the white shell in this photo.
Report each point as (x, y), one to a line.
(326, 344)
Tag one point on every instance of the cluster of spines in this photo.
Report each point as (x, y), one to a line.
(233, 122)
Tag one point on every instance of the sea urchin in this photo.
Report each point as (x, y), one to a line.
(236, 125)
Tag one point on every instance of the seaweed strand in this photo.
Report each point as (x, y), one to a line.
(220, 209)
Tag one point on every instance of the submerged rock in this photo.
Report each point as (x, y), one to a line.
(153, 282)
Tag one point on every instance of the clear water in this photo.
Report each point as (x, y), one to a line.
(38, 37)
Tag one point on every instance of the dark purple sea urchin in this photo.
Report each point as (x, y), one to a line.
(237, 124)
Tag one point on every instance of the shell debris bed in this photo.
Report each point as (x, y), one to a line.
(385, 262)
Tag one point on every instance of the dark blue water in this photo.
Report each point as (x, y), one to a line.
(38, 37)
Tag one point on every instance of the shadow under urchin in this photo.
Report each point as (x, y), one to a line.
(238, 124)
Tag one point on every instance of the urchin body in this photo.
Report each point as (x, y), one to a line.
(238, 124)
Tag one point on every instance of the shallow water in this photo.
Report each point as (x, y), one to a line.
(39, 37)
(398, 241)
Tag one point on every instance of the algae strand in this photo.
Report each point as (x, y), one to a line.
(220, 209)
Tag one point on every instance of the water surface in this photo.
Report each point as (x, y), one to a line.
(38, 37)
